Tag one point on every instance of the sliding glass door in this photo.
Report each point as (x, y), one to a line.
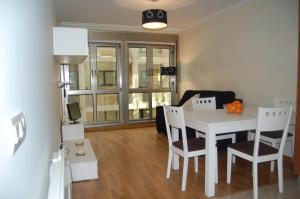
(162, 85)
(95, 84)
(107, 84)
(138, 97)
(110, 90)
(79, 88)
(147, 88)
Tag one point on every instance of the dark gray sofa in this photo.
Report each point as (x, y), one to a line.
(222, 97)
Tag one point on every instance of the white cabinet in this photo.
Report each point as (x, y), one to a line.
(70, 45)
(73, 131)
(83, 161)
(84, 165)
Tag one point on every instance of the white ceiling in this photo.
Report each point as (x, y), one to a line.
(182, 14)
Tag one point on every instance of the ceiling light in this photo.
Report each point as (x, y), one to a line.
(154, 19)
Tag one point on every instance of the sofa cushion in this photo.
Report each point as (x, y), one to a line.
(222, 97)
(187, 106)
(187, 95)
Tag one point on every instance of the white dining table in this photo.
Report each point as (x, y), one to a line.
(212, 123)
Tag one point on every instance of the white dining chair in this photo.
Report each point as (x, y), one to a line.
(209, 103)
(268, 119)
(274, 138)
(186, 148)
(204, 103)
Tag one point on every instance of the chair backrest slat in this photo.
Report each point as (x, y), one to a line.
(205, 103)
(174, 118)
(272, 119)
(284, 103)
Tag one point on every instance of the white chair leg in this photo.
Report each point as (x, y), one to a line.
(184, 173)
(250, 136)
(229, 162)
(280, 175)
(272, 166)
(233, 141)
(292, 146)
(196, 164)
(272, 162)
(196, 158)
(217, 172)
(169, 163)
(255, 184)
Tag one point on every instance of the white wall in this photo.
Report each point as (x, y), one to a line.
(28, 82)
(251, 49)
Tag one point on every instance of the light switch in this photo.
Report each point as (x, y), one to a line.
(15, 132)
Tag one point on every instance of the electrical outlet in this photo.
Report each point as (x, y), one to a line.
(16, 132)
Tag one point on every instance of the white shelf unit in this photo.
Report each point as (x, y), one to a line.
(70, 45)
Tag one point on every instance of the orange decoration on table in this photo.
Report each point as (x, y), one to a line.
(234, 107)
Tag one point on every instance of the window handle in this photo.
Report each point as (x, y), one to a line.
(94, 73)
(149, 72)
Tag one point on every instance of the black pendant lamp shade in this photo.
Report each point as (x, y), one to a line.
(154, 19)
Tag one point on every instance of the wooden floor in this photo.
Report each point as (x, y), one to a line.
(132, 164)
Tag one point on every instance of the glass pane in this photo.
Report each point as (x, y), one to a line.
(106, 68)
(161, 58)
(86, 106)
(108, 107)
(80, 75)
(159, 99)
(137, 68)
(138, 105)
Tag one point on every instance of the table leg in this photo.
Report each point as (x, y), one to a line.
(210, 163)
(175, 137)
